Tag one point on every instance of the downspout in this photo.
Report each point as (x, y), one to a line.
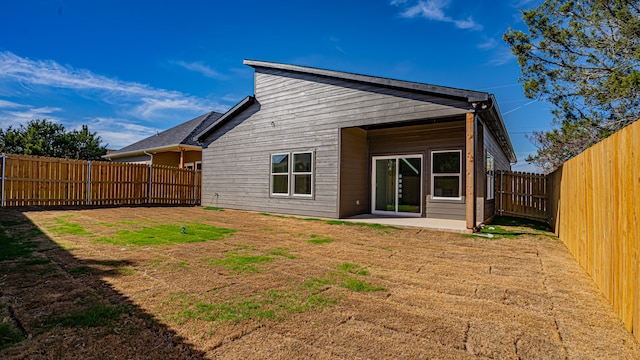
(150, 157)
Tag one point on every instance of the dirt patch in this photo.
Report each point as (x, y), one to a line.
(282, 287)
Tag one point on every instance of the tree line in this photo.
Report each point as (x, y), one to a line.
(46, 138)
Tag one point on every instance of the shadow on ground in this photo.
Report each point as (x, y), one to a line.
(55, 306)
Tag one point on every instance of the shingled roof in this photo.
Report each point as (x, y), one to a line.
(180, 135)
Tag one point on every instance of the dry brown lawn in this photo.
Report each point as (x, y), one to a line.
(289, 288)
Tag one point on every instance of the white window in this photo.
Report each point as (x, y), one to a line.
(491, 177)
(446, 175)
(302, 173)
(292, 174)
(197, 165)
(280, 174)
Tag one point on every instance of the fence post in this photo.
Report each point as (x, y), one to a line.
(89, 183)
(149, 185)
(4, 175)
(195, 186)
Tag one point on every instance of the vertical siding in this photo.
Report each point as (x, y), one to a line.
(295, 112)
(354, 173)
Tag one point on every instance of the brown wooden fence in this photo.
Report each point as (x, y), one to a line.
(40, 181)
(521, 194)
(594, 208)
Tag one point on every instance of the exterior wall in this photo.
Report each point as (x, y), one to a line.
(300, 112)
(191, 156)
(167, 159)
(423, 139)
(501, 162)
(141, 159)
(355, 195)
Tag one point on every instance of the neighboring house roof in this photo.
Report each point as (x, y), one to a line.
(177, 136)
(483, 101)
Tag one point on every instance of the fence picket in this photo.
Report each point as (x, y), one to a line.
(40, 181)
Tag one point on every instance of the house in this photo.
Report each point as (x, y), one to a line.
(316, 142)
(172, 147)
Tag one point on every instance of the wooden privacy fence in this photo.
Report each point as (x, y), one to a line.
(595, 211)
(521, 194)
(40, 181)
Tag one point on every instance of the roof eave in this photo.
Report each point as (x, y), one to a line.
(236, 109)
(117, 155)
(467, 95)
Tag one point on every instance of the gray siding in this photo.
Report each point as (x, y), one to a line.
(354, 173)
(295, 112)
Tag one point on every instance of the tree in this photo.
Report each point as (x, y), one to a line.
(583, 57)
(45, 138)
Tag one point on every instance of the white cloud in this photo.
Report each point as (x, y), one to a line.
(118, 133)
(4, 104)
(201, 68)
(434, 10)
(22, 116)
(143, 98)
(490, 43)
(501, 56)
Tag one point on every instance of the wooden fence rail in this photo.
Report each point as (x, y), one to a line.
(521, 194)
(40, 181)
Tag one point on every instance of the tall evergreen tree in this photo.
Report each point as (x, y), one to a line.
(582, 56)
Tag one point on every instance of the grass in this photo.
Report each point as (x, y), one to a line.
(93, 316)
(214, 208)
(512, 221)
(79, 270)
(241, 262)
(9, 335)
(350, 223)
(66, 227)
(167, 234)
(284, 252)
(272, 304)
(118, 223)
(18, 244)
(358, 285)
(319, 240)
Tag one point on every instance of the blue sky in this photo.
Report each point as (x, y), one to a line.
(130, 68)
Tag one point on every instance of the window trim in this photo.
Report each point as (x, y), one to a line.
(291, 173)
(458, 174)
(294, 173)
(287, 174)
(490, 176)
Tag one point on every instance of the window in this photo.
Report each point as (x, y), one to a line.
(446, 175)
(491, 177)
(302, 173)
(280, 174)
(292, 170)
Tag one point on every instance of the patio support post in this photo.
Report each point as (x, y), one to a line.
(195, 186)
(4, 175)
(470, 135)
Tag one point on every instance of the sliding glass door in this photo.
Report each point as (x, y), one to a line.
(397, 184)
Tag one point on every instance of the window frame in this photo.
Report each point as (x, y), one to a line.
(291, 174)
(458, 174)
(294, 173)
(272, 174)
(490, 176)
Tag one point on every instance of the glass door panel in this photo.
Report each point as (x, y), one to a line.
(397, 184)
(385, 184)
(409, 180)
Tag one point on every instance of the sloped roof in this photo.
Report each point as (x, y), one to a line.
(181, 134)
(489, 112)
